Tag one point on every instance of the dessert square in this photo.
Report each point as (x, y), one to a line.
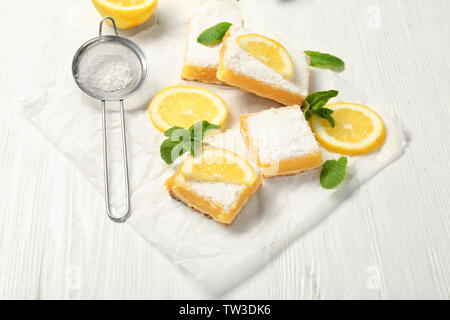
(221, 201)
(239, 68)
(201, 61)
(281, 141)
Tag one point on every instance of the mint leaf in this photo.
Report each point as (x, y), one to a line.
(214, 34)
(325, 61)
(197, 132)
(333, 173)
(181, 140)
(315, 102)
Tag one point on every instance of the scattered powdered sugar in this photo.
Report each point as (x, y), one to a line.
(209, 14)
(224, 193)
(242, 62)
(281, 133)
(109, 73)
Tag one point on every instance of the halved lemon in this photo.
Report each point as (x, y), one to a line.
(216, 164)
(184, 105)
(126, 13)
(358, 130)
(269, 52)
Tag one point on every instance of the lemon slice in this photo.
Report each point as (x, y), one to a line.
(126, 13)
(269, 52)
(358, 130)
(216, 164)
(184, 105)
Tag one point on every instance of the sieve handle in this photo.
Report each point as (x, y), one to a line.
(122, 217)
(100, 31)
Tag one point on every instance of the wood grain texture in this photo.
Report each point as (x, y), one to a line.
(391, 239)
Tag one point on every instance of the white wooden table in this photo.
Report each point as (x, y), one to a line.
(391, 239)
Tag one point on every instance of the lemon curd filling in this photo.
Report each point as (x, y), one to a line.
(126, 13)
(281, 141)
(262, 66)
(201, 61)
(184, 105)
(358, 129)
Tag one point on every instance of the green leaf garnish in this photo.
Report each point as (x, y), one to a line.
(214, 34)
(180, 140)
(315, 102)
(306, 111)
(315, 97)
(333, 173)
(325, 61)
(326, 114)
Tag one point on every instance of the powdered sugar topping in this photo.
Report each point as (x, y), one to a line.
(242, 62)
(209, 14)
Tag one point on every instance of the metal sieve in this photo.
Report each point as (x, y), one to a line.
(131, 56)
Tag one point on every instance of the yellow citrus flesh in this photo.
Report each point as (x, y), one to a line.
(184, 105)
(358, 129)
(269, 52)
(126, 13)
(215, 164)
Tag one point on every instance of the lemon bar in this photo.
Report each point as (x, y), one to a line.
(281, 141)
(219, 200)
(201, 61)
(239, 68)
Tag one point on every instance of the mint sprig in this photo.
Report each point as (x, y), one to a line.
(325, 61)
(315, 102)
(182, 140)
(333, 173)
(172, 149)
(197, 132)
(214, 34)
